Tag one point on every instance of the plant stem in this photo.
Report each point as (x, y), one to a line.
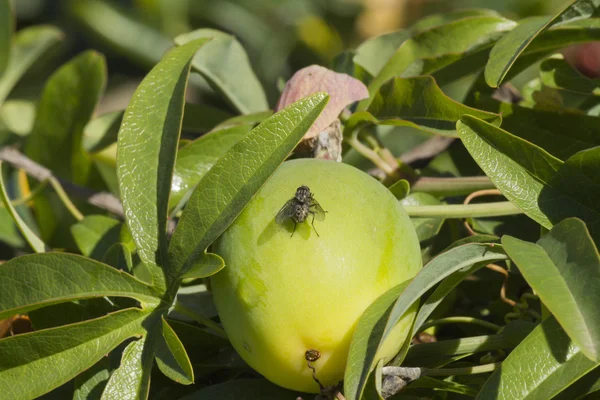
(496, 209)
(479, 369)
(31, 195)
(460, 320)
(65, 198)
(371, 155)
(202, 320)
(452, 186)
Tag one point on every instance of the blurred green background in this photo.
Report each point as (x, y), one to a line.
(280, 36)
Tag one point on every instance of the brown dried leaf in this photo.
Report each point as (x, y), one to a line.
(342, 89)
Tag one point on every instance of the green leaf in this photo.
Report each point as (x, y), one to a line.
(147, 144)
(28, 46)
(243, 389)
(448, 40)
(541, 185)
(373, 53)
(420, 103)
(436, 270)
(435, 20)
(248, 119)
(119, 256)
(590, 383)
(38, 280)
(120, 32)
(18, 116)
(551, 130)
(563, 268)
(224, 64)
(369, 329)
(556, 73)
(440, 294)
(543, 365)
(424, 354)
(171, 357)
(66, 105)
(196, 158)
(426, 228)
(400, 189)
(208, 265)
(514, 43)
(90, 383)
(7, 27)
(224, 191)
(34, 241)
(102, 131)
(66, 351)
(95, 234)
(131, 381)
(442, 386)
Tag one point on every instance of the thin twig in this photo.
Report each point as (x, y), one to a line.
(103, 200)
(426, 150)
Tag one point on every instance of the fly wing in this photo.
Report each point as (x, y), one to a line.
(286, 211)
(317, 210)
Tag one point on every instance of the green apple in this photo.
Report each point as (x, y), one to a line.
(281, 295)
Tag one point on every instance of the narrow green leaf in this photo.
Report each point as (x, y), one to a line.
(224, 64)
(556, 73)
(171, 357)
(424, 354)
(224, 191)
(66, 351)
(120, 32)
(196, 158)
(7, 27)
(436, 270)
(66, 105)
(38, 280)
(90, 383)
(543, 365)
(208, 265)
(551, 130)
(421, 103)
(514, 43)
(34, 241)
(451, 39)
(147, 145)
(439, 268)
(28, 46)
(435, 20)
(248, 119)
(535, 181)
(244, 389)
(131, 381)
(438, 385)
(95, 234)
(365, 337)
(440, 294)
(564, 270)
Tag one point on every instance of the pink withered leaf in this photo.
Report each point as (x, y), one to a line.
(343, 90)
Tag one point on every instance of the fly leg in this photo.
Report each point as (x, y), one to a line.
(295, 223)
(313, 224)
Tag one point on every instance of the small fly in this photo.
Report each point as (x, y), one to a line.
(299, 207)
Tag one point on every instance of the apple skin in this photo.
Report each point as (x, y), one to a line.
(279, 296)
